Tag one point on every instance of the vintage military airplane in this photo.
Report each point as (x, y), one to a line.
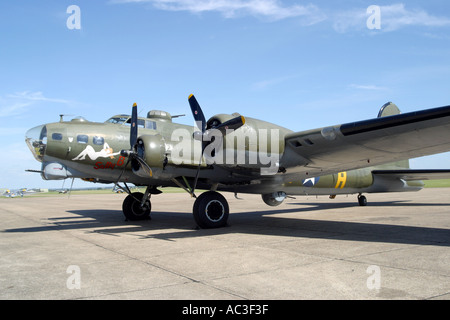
(18, 192)
(241, 155)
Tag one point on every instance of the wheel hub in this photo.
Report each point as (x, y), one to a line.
(214, 210)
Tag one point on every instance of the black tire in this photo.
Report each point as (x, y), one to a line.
(362, 200)
(132, 209)
(211, 210)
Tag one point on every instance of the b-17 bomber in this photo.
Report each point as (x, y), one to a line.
(240, 154)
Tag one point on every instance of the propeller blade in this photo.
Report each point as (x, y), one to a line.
(198, 116)
(133, 155)
(197, 112)
(121, 173)
(134, 128)
(198, 170)
(231, 124)
(144, 165)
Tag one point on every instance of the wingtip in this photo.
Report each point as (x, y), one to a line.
(190, 96)
(135, 104)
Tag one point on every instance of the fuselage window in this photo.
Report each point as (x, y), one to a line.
(150, 124)
(82, 138)
(99, 140)
(57, 136)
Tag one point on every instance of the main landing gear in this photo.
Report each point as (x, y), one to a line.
(210, 209)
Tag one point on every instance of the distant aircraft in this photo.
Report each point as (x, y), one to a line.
(242, 155)
(17, 192)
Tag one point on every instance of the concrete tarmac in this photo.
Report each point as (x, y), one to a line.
(398, 247)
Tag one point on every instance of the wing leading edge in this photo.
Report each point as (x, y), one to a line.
(367, 143)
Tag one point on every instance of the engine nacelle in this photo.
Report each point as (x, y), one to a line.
(274, 199)
(152, 149)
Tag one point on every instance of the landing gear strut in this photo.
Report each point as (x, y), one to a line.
(211, 210)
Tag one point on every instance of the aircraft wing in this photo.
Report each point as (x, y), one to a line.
(410, 174)
(367, 143)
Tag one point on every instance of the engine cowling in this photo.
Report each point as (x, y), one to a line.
(274, 199)
(152, 149)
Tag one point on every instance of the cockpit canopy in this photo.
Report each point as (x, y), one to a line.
(119, 119)
(148, 123)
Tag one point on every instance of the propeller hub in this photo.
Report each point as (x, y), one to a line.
(126, 153)
(197, 135)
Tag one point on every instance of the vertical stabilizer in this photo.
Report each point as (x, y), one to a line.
(390, 109)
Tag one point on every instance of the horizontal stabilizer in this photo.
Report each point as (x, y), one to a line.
(410, 174)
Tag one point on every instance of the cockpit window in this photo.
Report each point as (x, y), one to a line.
(118, 119)
(140, 123)
(125, 120)
(82, 138)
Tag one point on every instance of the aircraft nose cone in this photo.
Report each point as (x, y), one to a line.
(36, 139)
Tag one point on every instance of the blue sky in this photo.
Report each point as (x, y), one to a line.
(300, 64)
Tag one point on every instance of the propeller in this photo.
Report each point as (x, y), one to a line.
(197, 112)
(136, 153)
(204, 135)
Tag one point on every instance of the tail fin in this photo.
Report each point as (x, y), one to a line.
(390, 109)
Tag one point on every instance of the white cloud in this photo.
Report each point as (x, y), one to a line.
(35, 96)
(393, 17)
(397, 16)
(19, 102)
(15, 108)
(269, 9)
(264, 84)
(367, 87)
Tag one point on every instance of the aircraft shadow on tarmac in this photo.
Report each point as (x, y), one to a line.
(262, 222)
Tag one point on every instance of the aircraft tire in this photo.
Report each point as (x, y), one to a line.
(362, 200)
(211, 210)
(132, 210)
